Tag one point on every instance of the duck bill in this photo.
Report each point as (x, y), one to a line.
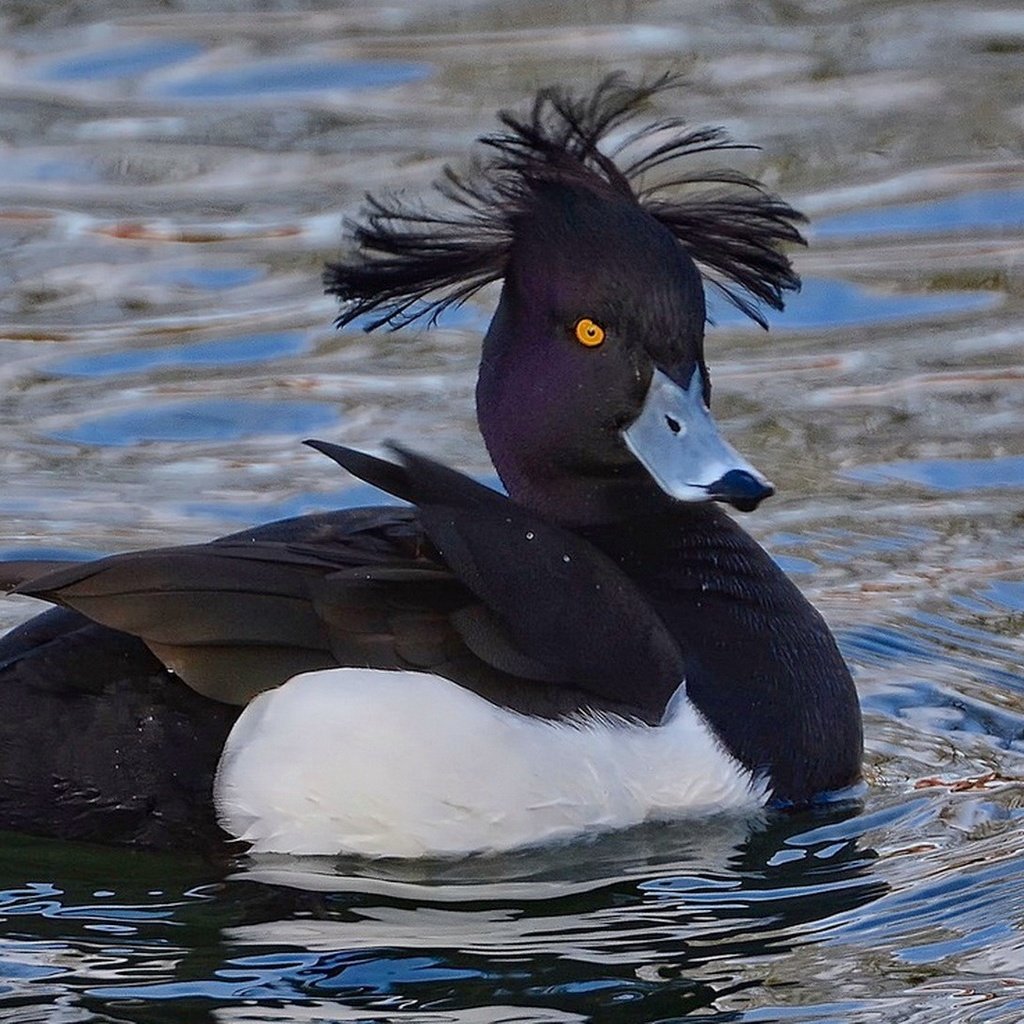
(675, 439)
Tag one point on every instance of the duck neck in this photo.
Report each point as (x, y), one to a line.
(546, 461)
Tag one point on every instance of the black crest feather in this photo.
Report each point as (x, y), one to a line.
(412, 262)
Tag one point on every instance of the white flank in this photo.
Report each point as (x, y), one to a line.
(405, 764)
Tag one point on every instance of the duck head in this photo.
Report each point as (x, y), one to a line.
(593, 395)
(593, 387)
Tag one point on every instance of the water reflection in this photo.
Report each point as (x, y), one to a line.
(996, 210)
(659, 921)
(258, 79)
(833, 305)
(122, 61)
(245, 348)
(948, 474)
(201, 420)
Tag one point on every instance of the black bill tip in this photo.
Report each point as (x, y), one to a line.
(741, 489)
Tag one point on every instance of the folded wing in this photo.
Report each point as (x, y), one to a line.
(467, 585)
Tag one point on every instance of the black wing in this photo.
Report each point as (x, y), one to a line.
(244, 613)
(467, 585)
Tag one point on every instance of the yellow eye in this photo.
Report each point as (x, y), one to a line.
(589, 333)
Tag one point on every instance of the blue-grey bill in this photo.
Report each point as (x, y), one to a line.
(676, 441)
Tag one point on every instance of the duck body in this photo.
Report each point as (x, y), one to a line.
(674, 670)
(759, 709)
(478, 671)
(100, 743)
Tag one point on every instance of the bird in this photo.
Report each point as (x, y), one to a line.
(599, 644)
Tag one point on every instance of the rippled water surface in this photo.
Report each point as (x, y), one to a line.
(171, 181)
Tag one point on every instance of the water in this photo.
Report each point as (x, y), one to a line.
(172, 180)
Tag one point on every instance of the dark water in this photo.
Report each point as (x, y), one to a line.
(172, 179)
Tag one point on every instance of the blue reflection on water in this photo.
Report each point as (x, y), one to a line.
(122, 61)
(270, 78)
(794, 566)
(244, 348)
(362, 973)
(17, 553)
(212, 279)
(19, 169)
(13, 970)
(1008, 593)
(207, 420)
(1001, 209)
(946, 474)
(823, 302)
(935, 645)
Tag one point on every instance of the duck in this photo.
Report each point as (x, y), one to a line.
(477, 670)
